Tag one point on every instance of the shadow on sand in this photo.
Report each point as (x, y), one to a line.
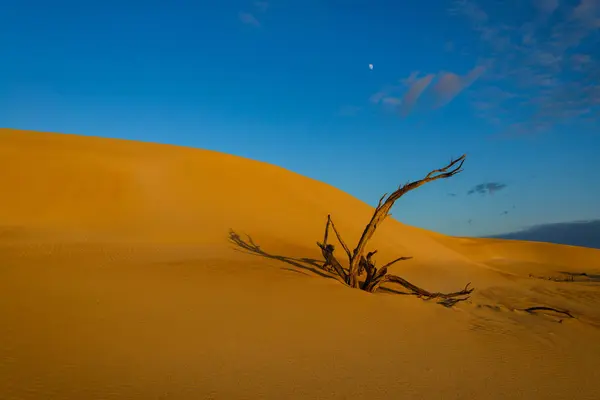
(302, 264)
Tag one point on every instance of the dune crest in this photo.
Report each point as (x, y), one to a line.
(119, 281)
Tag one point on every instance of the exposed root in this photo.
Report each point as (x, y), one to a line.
(446, 298)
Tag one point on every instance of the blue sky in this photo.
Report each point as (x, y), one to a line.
(514, 84)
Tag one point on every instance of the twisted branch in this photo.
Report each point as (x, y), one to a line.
(384, 206)
(360, 264)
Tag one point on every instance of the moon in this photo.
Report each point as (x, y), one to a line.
(371, 67)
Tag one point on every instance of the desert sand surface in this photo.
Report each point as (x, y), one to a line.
(118, 281)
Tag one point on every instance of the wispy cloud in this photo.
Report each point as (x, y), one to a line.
(377, 97)
(536, 63)
(391, 101)
(587, 12)
(449, 84)
(416, 88)
(546, 57)
(248, 19)
(385, 92)
(403, 97)
(487, 188)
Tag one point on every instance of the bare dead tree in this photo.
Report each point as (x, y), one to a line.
(361, 263)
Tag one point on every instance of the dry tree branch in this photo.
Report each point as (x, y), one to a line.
(381, 200)
(339, 237)
(445, 169)
(395, 261)
(543, 308)
(331, 263)
(326, 230)
(359, 263)
(362, 266)
(427, 294)
(385, 205)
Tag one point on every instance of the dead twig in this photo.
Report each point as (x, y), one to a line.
(531, 310)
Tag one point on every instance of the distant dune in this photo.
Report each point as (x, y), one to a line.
(577, 233)
(118, 281)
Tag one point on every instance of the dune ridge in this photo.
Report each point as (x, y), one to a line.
(119, 281)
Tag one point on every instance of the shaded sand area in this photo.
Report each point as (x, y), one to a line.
(118, 281)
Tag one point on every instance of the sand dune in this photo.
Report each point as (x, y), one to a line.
(118, 281)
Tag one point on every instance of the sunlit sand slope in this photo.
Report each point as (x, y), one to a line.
(119, 281)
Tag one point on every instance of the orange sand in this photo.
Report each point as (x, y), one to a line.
(117, 281)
